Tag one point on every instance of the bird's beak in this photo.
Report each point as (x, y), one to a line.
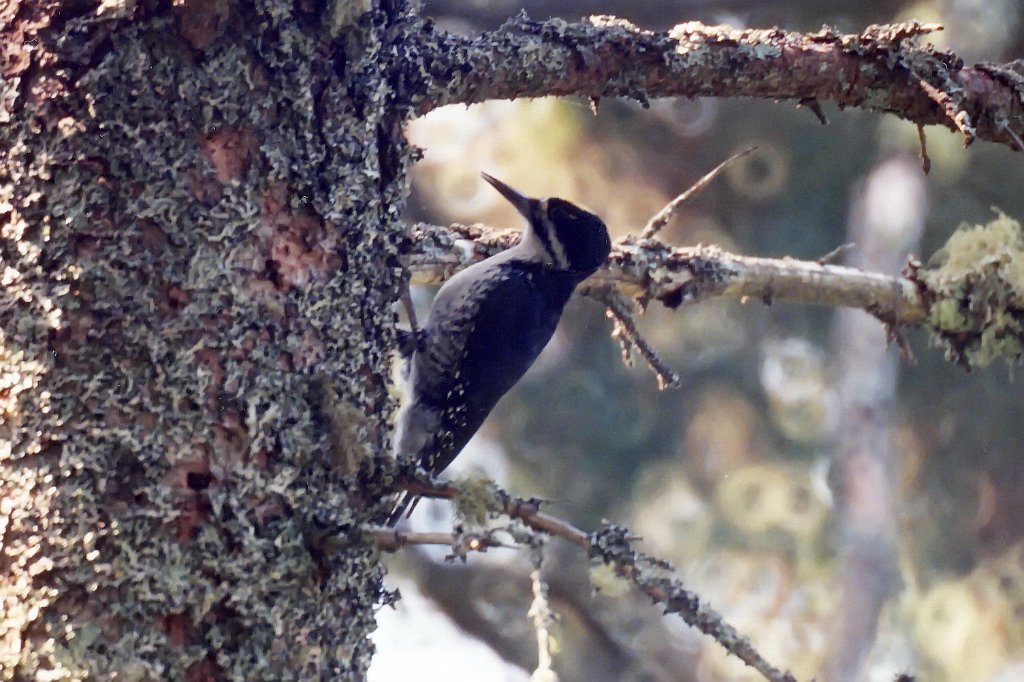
(523, 204)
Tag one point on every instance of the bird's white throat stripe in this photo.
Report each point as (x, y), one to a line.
(550, 238)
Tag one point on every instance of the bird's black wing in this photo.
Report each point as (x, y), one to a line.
(515, 316)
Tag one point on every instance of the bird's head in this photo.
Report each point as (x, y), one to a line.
(566, 236)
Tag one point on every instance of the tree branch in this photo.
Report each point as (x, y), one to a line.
(972, 301)
(392, 540)
(880, 69)
(542, 616)
(612, 545)
(629, 337)
(652, 270)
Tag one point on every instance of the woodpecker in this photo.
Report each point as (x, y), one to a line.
(486, 327)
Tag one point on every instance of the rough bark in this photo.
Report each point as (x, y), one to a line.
(199, 244)
(881, 69)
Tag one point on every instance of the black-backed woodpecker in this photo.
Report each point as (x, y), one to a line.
(488, 324)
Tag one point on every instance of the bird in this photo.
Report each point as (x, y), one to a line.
(486, 327)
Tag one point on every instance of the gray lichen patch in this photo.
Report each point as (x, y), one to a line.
(976, 287)
(195, 232)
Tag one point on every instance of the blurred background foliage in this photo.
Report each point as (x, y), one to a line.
(855, 514)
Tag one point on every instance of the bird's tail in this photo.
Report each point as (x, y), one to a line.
(404, 507)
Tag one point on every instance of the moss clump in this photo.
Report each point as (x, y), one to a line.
(976, 283)
(476, 499)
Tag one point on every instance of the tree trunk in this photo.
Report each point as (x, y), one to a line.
(198, 251)
(199, 246)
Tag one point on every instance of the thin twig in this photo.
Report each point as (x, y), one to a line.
(1018, 143)
(661, 218)
(815, 106)
(958, 117)
(612, 545)
(542, 616)
(390, 540)
(628, 336)
(926, 162)
(834, 254)
(410, 309)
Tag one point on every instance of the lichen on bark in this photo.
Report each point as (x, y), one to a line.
(975, 286)
(199, 212)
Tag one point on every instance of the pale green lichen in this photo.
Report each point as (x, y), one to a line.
(976, 282)
(475, 500)
(605, 580)
(346, 13)
(170, 465)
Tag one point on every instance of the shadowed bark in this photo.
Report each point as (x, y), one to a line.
(199, 243)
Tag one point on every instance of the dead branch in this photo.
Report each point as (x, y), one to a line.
(661, 218)
(629, 337)
(974, 307)
(612, 545)
(881, 69)
(391, 540)
(543, 617)
(651, 270)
